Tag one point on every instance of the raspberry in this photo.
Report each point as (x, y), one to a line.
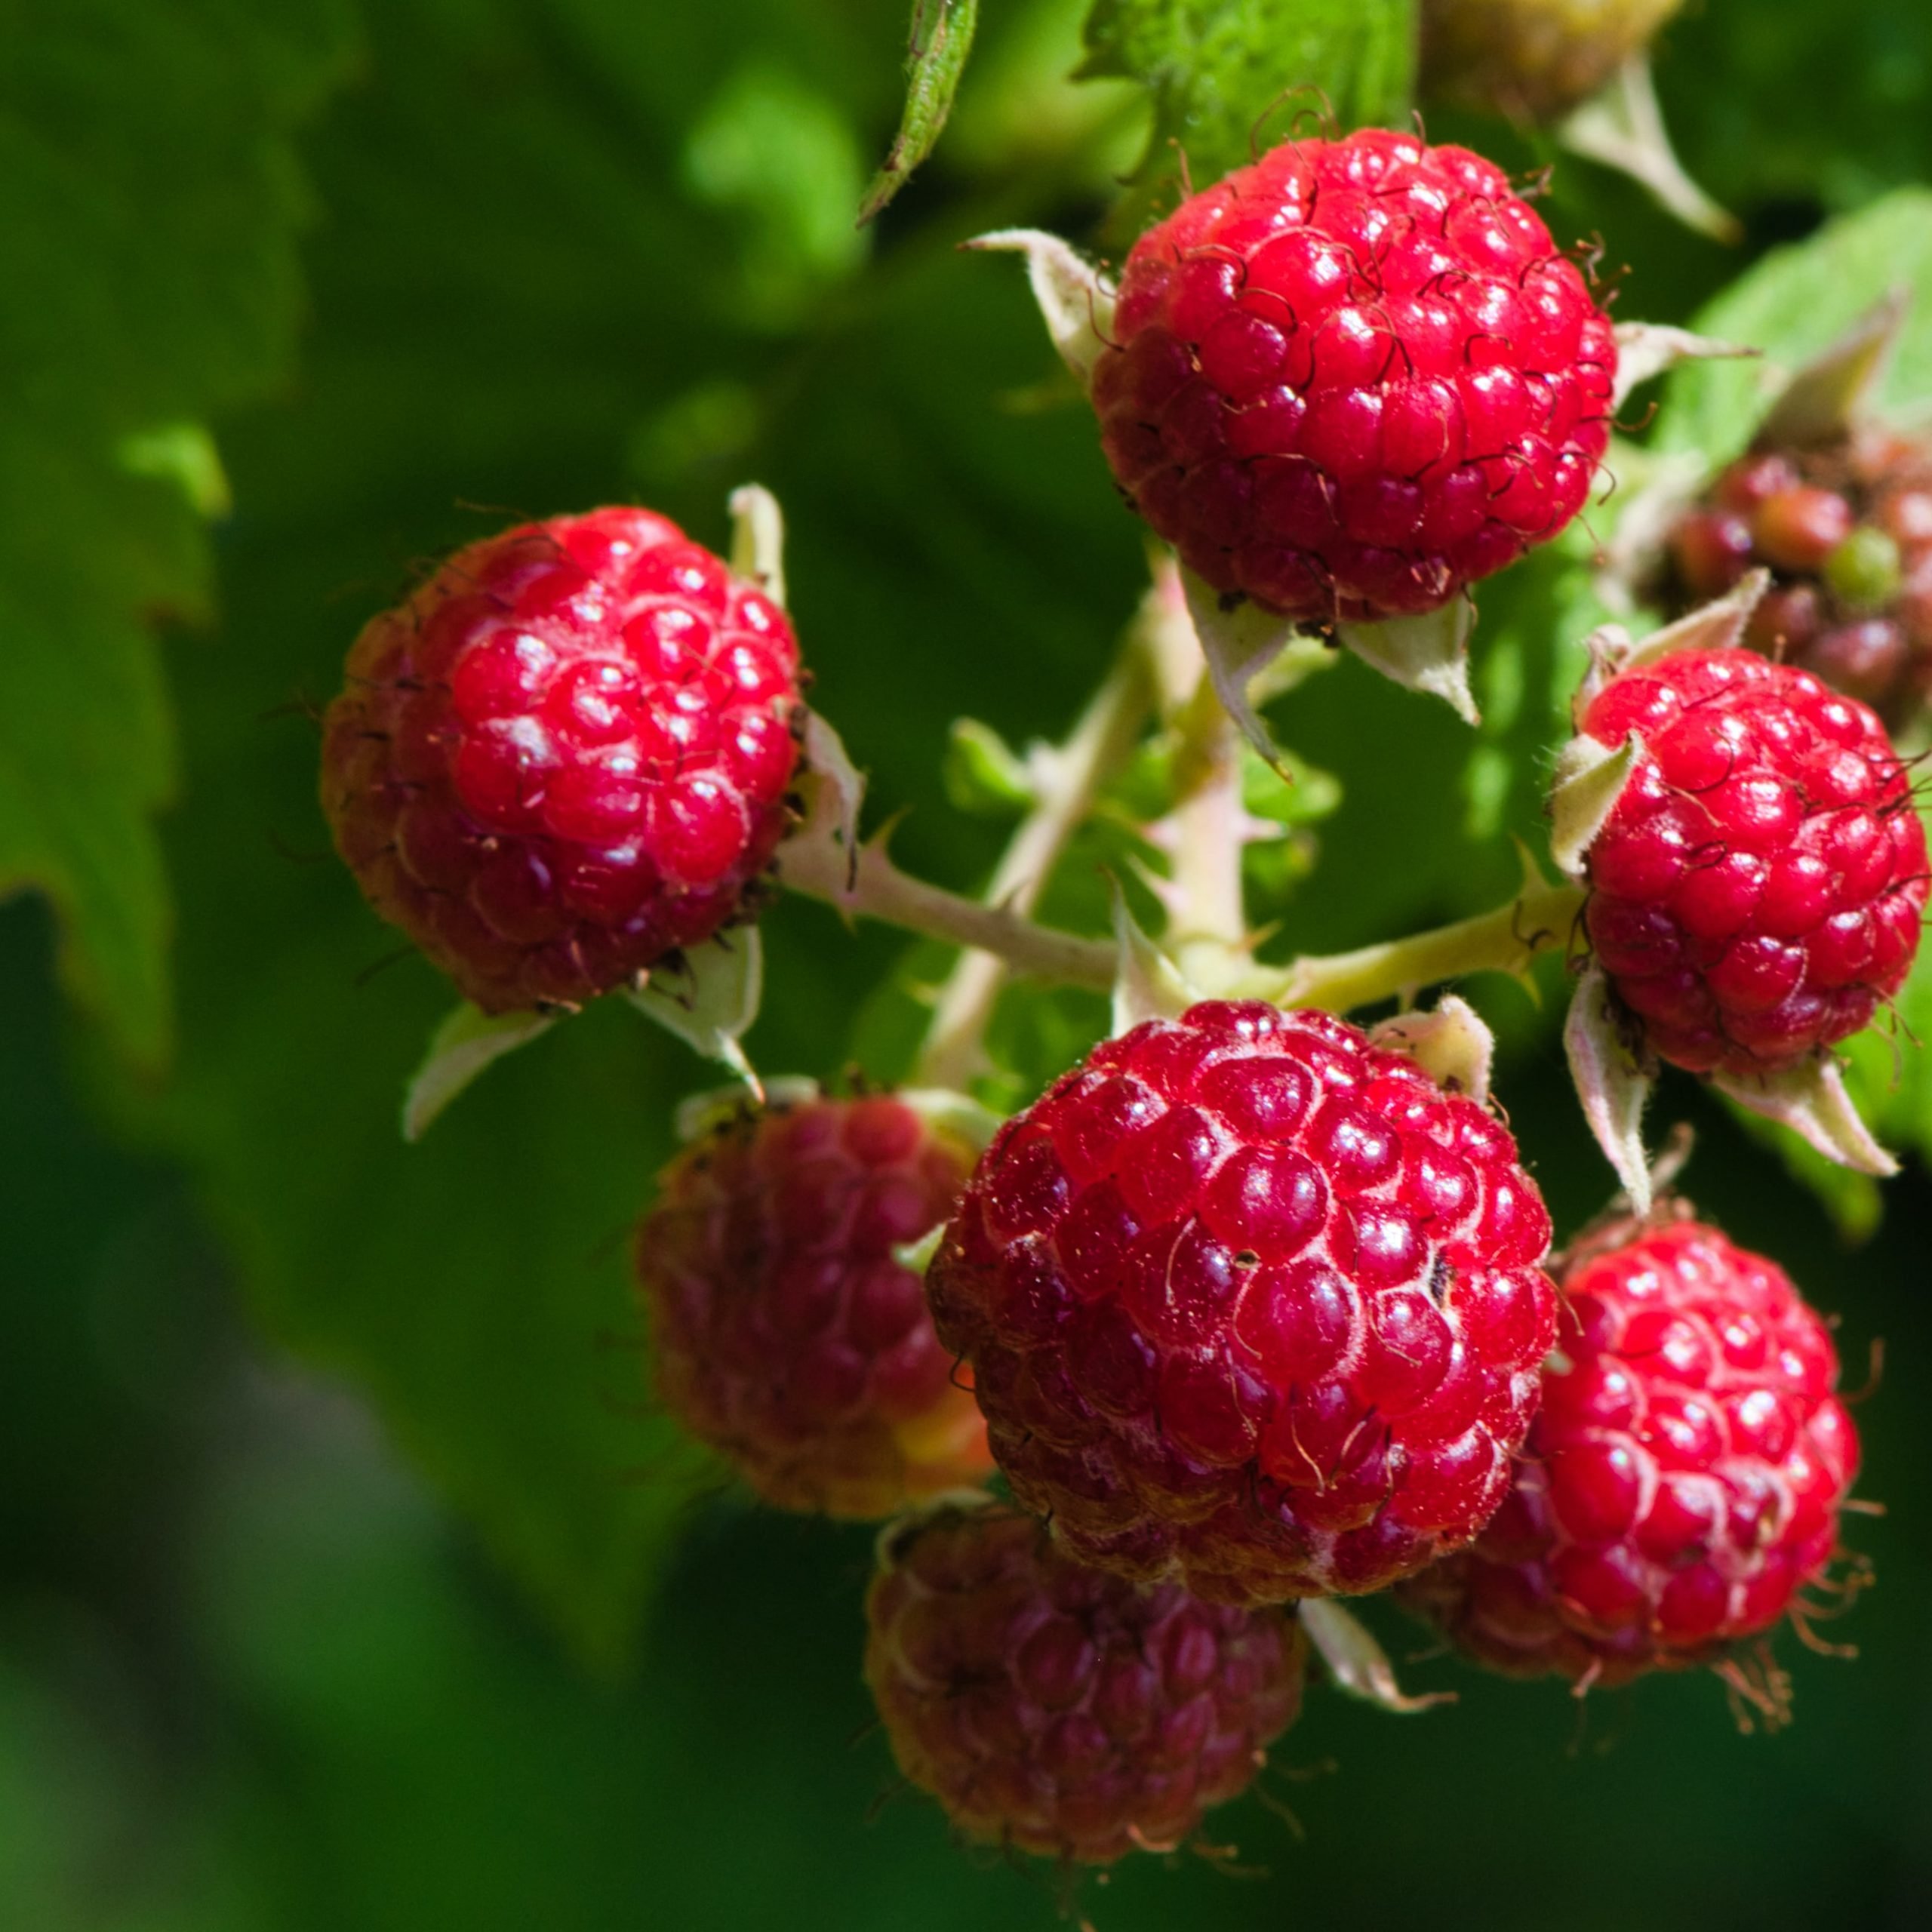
(1352, 378)
(565, 756)
(1758, 888)
(1846, 529)
(1683, 1481)
(785, 1335)
(1059, 1709)
(1530, 59)
(1251, 1302)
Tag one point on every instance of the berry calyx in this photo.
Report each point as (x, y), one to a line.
(1682, 1484)
(1758, 888)
(1531, 59)
(565, 755)
(1252, 1303)
(1052, 1708)
(1846, 530)
(785, 1333)
(1355, 377)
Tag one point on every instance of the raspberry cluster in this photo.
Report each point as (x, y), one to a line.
(1355, 377)
(1058, 1710)
(1758, 888)
(1682, 1484)
(784, 1333)
(1251, 1302)
(565, 756)
(1531, 59)
(1846, 531)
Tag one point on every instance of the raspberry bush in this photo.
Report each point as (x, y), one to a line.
(1148, 1105)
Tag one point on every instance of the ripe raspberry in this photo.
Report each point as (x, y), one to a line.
(1052, 1707)
(1846, 531)
(1682, 1483)
(1757, 889)
(1251, 1302)
(1530, 59)
(785, 1335)
(1352, 378)
(565, 755)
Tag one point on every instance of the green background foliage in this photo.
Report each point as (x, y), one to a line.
(349, 1581)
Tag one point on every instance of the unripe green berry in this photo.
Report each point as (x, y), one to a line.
(1865, 570)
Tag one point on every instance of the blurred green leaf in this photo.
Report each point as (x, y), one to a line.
(1796, 302)
(150, 200)
(1228, 76)
(942, 37)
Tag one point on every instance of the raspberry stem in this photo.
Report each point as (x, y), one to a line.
(1505, 940)
(1067, 776)
(1206, 919)
(872, 887)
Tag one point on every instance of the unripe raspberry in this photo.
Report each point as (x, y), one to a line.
(1053, 1708)
(1354, 377)
(565, 755)
(1253, 1303)
(1530, 59)
(1757, 889)
(785, 1334)
(1682, 1484)
(1846, 529)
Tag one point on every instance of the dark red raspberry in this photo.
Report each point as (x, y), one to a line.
(785, 1334)
(1251, 1302)
(1352, 378)
(565, 756)
(1757, 889)
(1682, 1483)
(1050, 1707)
(1846, 529)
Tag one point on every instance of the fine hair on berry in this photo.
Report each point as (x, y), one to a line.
(1252, 1303)
(1681, 1487)
(1352, 379)
(565, 757)
(1056, 1709)
(785, 1334)
(1758, 890)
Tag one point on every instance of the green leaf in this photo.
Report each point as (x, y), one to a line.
(1229, 77)
(1796, 302)
(942, 37)
(149, 200)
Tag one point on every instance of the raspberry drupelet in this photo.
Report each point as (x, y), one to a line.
(1845, 528)
(784, 1335)
(1682, 1483)
(565, 755)
(1252, 1303)
(1355, 377)
(1053, 1708)
(1757, 889)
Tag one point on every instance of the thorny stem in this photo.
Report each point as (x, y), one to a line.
(877, 889)
(1505, 940)
(1206, 921)
(1067, 778)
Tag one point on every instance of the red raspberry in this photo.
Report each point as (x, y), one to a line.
(1352, 378)
(1049, 1706)
(565, 756)
(785, 1335)
(1682, 1483)
(1757, 889)
(1251, 1302)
